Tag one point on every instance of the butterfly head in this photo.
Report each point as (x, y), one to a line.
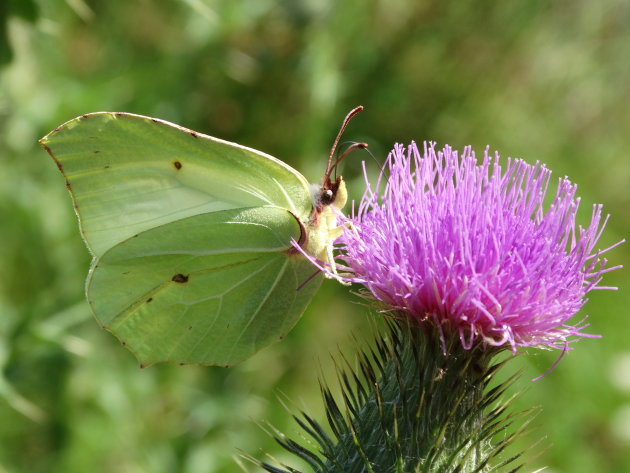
(332, 191)
(329, 197)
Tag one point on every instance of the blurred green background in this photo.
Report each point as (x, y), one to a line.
(541, 80)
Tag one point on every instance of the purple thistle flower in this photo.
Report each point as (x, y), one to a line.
(468, 246)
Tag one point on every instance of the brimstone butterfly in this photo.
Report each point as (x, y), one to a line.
(191, 236)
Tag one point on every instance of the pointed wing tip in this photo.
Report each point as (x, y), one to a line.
(76, 119)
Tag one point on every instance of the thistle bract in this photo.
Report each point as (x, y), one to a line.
(471, 246)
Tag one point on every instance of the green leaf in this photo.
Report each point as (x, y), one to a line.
(5, 47)
(25, 9)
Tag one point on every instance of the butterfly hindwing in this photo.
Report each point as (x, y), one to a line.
(212, 288)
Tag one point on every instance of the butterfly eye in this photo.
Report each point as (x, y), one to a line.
(327, 196)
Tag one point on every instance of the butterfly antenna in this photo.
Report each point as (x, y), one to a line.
(380, 164)
(346, 120)
(349, 150)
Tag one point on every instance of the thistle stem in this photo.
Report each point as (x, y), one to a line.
(417, 402)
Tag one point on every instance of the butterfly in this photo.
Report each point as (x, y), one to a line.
(191, 235)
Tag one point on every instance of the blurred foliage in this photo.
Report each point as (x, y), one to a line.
(540, 80)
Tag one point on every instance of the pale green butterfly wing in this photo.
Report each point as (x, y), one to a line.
(138, 183)
(128, 173)
(213, 288)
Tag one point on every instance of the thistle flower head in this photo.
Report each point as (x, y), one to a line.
(454, 242)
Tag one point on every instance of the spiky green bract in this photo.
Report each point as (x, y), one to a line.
(413, 403)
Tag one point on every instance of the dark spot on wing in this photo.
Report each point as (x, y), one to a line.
(68, 185)
(142, 366)
(123, 343)
(154, 120)
(177, 165)
(180, 278)
(85, 115)
(193, 134)
(59, 166)
(149, 299)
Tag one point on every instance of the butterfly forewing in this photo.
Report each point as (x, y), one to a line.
(128, 173)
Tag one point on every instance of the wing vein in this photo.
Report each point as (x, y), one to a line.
(262, 303)
(286, 196)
